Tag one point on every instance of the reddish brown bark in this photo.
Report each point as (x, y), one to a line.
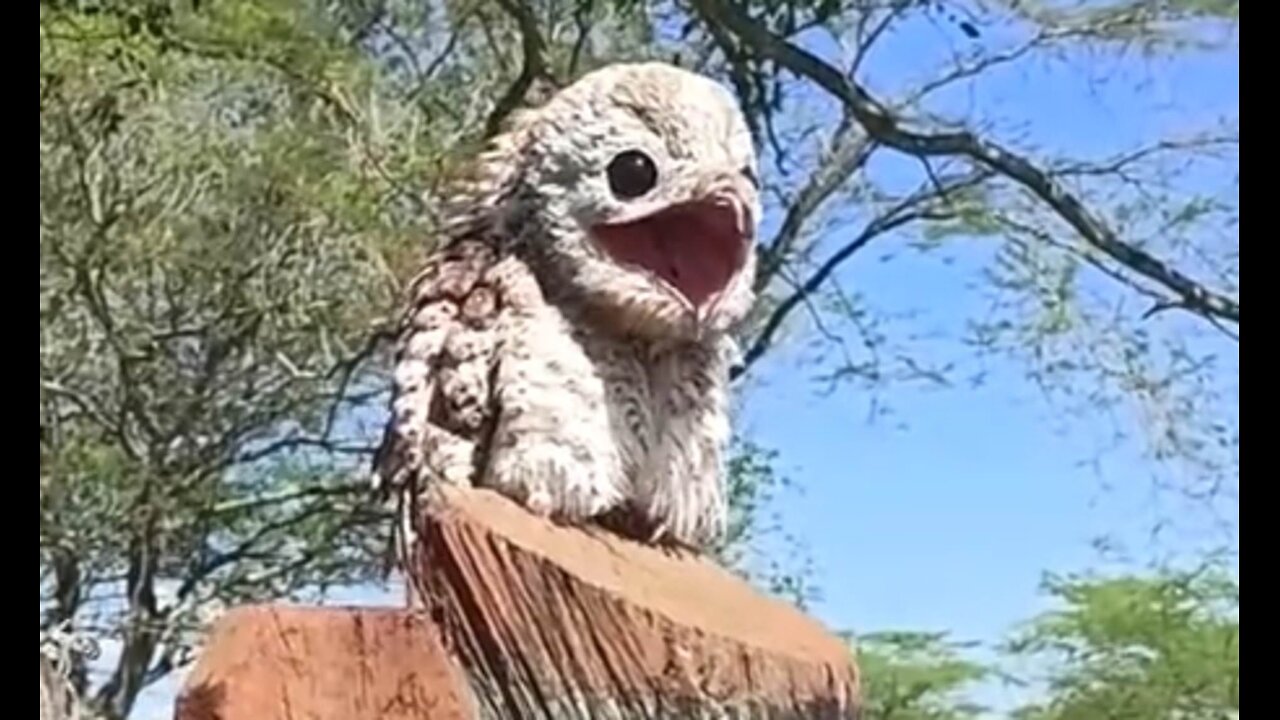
(527, 619)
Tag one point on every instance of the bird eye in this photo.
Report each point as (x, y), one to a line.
(750, 175)
(632, 174)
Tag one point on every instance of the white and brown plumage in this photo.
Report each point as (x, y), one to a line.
(567, 343)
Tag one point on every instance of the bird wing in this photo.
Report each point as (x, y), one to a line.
(441, 407)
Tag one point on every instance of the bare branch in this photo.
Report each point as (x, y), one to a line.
(1159, 302)
(296, 442)
(347, 370)
(913, 208)
(850, 151)
(141, 633)
(867, 38)
(68, 589)
(1044, 37)
(534, 68)
(750, 91)
(388, 28)
(323, 504)
(962, 71)
(1120, 162)
(86, 405)
(582, 20)
(1046, 238)
(447, 51)
(260, 501)
(881, 125)
(816, 317)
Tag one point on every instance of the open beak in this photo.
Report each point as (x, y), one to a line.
(693, 248)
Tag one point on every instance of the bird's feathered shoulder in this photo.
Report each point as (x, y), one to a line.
(445, 343)
(444, 355)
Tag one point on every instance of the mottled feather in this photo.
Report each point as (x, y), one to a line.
(532, 361)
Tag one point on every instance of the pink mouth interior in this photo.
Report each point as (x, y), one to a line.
(694, 248)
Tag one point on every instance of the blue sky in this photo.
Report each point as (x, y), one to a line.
(949, 523)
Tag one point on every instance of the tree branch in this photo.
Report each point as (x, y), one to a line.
(882, 126)
(864, 38)
(141, 635)
(323, 503)
(534, 49)
(1118, 163)
(582, 12)
(850, 151)
(86, 405)
(912, 208)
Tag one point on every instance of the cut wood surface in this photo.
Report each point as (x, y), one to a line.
(297, 663)
(560, 622)
(527, 619)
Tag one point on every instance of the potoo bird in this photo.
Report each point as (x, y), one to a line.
(568, 342)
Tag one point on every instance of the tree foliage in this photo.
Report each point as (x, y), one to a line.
(1165, 645)
(232, 193)
(916, 676)
(214, 249)
(756, 544)
(1134, 646)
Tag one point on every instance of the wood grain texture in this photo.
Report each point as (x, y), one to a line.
(295, 663)
(558, 622)
(528, 620)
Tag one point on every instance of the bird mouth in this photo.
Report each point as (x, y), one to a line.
(694, 248)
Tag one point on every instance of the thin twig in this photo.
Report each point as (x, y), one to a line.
(850, 151)
(533, 68)
(883, 126)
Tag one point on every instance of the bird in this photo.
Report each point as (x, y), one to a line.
(568, 340)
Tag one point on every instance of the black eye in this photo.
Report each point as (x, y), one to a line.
(632, 174)
(750, 175)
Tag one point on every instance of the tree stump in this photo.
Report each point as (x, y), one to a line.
(527, 619)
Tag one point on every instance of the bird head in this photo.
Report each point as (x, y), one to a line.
(635, 192)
